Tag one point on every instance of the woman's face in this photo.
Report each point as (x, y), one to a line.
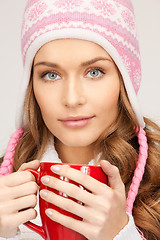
(76, 85)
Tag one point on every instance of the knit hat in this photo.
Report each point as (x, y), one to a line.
(109, 23)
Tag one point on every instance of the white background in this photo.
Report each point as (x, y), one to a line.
(148, 26)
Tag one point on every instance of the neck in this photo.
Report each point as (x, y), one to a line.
(74, 155)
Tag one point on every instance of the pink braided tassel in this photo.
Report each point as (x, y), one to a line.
(7, 164)
(138, 174)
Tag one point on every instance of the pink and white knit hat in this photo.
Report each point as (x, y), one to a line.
(109, 23)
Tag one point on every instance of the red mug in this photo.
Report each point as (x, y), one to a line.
(51, 230)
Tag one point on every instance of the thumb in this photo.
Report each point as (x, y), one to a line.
(33, 165)
(112, 172)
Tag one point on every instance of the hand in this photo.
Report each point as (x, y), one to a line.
(17, 199)
(104, 209)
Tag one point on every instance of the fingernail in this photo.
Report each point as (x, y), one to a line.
(45, 180)
(43, 193)
(55, 168)
(49, 212)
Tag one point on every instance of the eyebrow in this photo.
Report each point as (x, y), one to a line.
(84, 64)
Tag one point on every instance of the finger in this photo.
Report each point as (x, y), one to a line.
(69, 222)
(112, 172)
(25, 189)
(77, 176)
(26, 202)
(66, 204)
(12, 221)
(19, 191)
(19, 204)
(24, 216)
(69, 189)
(33, 164)
(16, 178)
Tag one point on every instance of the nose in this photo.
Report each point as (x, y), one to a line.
(73, 93)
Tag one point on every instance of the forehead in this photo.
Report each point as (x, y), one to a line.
(70, 48)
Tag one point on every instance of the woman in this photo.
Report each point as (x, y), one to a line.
(81, 74)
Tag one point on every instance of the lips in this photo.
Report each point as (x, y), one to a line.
(76, 121)
(75, 118)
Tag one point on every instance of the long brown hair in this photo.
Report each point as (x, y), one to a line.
(118, 145)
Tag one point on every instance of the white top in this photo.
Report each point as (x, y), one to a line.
(129, 232)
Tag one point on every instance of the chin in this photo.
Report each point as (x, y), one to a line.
(74, 139)
(77, 142)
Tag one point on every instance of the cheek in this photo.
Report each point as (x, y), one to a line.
(46, 103)
(111, 102)
(107, 96)
(107, 103)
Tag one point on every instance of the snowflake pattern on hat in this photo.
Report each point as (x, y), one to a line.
(104, 7)
(38, 9)
(129, 20)
(68, 4)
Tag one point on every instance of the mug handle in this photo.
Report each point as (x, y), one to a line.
(29, 224)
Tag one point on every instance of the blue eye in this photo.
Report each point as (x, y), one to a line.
(95, 74)
(49, 76)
